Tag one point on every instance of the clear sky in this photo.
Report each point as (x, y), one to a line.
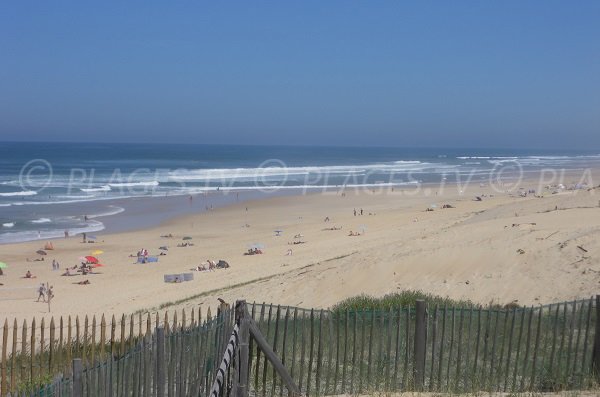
(419, 73)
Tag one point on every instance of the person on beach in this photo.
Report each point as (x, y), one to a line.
(355, 212)
(41, 292)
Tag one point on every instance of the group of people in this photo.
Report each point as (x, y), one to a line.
(84, 269)
(253, 251)
(45, 292)
(55, 265)
(211, 265)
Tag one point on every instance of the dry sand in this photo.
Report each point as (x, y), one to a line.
(470, 251)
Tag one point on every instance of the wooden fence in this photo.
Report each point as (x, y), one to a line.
(443, 349)
(554, 347)
(33, 353)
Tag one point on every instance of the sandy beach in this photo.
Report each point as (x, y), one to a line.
(504, 248)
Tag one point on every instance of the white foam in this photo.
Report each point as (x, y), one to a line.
(14, 237)
(114, 211)
(104, 188)
(41, 220)
(131, 184)
(21, 193)
(9, 224)
(183, 175)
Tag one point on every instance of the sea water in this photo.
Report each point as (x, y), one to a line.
(47, 189)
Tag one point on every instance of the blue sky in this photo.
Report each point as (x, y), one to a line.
(445, 73)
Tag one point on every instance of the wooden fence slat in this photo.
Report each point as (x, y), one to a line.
(13, 366)
(85, 340)
(434, 324)
(93, 341)
(3, 373)
(584, 366)
(420, 345)
(451, 347)
(527, 349)
(494, 344)
(509, 351)
(459, 352)
(69, 347)
(51, 347)
(570, 342)
(24, 350)
(311, 352)
(499, 368)
(535, 351)
(579, 330)
(469, 381)
(337, 352)
(264, 372)
(361, 356)
(388, 350)
(370, 358)
(32, 356)
(354, 336)
(554, 336)
(257, 365)
(284, 345)
(379, 362)
(102, 350)
(131, 337)
(442, 344)
(519, 340)
(477, 342)
(486, 343)
(275, 350)
(294, 344)
(561, 350)
(41, 365)
(346, 340)
(318, 374)
(405, 370)
(122, 336)
(329, 346)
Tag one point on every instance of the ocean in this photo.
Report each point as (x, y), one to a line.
(49, 188)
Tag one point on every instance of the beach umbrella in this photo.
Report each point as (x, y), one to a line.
(3, 265)
(187, 238)
(164, 248)
(97, 252)
(41, 252)
(91, 259)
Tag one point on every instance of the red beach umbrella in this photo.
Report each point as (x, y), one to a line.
(91, 259)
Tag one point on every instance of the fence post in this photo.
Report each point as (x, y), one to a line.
(77, 376)
(596, 352)
(244, 340)
(420, 341)
(160, 361)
